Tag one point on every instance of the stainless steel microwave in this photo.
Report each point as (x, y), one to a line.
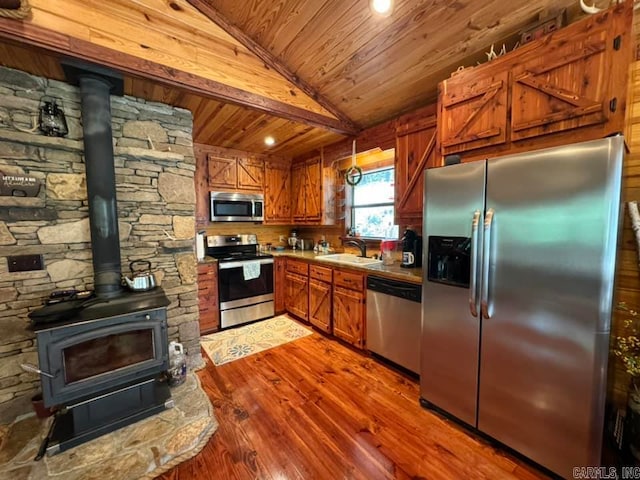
(237, 207)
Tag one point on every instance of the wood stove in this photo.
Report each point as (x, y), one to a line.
(103, 366)
(101, 354)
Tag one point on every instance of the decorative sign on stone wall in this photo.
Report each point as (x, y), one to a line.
(19, 185)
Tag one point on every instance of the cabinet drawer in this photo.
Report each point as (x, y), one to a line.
(320, 273)
(295, 266)
(347, 279)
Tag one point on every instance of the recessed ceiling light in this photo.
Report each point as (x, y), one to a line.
(268, 141)
(381, 7)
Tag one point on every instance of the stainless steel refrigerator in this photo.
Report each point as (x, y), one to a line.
(517, 297)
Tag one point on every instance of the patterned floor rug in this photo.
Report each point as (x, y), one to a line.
(228, 345)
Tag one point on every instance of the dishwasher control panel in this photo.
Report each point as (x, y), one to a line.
(408, 291)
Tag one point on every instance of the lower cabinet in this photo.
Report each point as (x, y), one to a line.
(279, 289)
(208, 297)
(297, 289)
(349, 307)
(320, 297)
(331, 299)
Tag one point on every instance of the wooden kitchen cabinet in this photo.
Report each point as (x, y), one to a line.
(306, 185)
(297, 289)
(320, 297)
(474, 110)
(415, 151)
(209, 307)
(277, 193)
(349, 306)
(279, 282)
(568, 86)
(235, 173)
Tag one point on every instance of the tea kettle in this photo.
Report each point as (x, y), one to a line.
(142, 280)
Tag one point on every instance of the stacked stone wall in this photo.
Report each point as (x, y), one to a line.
(154, 166)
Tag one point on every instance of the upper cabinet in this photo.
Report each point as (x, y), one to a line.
(566, 87)
(416, 150)
(235, 173)
(277, 193)
(474, 111)
(310, 185)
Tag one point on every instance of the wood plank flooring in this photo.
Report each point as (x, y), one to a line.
(315, 409)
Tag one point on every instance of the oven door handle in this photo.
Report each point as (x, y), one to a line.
(240, 263)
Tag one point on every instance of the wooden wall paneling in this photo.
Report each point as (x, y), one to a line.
(201, 186)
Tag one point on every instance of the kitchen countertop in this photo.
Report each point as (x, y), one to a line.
(395, 271)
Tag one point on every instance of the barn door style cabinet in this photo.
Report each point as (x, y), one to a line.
(416, 149)
(320, 297)
(566, 87)
(306, 183)
(208, 297)
(277, 193)
(235, 173)
(349, 314)
(297, 289)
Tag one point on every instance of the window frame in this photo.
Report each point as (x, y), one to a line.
(352, 207)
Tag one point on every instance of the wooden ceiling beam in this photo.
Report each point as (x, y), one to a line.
(270, 60)
(23, 33)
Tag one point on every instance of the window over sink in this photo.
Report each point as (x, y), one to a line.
(372, 205)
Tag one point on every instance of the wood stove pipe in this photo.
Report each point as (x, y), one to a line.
(96, 85)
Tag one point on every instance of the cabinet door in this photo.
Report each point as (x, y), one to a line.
(565, 89)
(313, 190)
(349, 316)
(297, 296)
(277, 193)
(320, 304)
(279, 282)
(250, 174)
(222, 172)
(415, 151)
(208, 298)
(298, 196)
(473, 110)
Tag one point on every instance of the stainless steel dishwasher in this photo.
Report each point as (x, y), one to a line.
(394, 321)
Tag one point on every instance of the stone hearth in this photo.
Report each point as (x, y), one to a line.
(140, 451)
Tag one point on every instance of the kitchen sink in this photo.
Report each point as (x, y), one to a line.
(349, 259)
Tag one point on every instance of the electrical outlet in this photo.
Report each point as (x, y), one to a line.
(281, 238)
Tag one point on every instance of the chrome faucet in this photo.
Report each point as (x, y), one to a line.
(361, 244)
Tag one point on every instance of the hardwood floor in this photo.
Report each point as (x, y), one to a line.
(314, 409)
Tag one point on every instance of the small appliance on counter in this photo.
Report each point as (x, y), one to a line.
(411, 249)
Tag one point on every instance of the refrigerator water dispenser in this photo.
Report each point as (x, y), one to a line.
(449, 260)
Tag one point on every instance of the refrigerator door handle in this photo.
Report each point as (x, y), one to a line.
(473, 281)
(486, 253)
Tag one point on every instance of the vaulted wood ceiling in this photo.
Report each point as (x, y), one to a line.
(308, 72)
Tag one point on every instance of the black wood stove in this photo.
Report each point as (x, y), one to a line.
(102, 354)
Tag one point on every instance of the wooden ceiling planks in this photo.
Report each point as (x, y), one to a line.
(368, 66)
(176, 46)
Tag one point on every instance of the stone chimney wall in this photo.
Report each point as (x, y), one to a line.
(154, 166)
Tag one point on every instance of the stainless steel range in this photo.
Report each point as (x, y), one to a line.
(245, 279)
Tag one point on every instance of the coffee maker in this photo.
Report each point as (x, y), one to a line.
(411, 249)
